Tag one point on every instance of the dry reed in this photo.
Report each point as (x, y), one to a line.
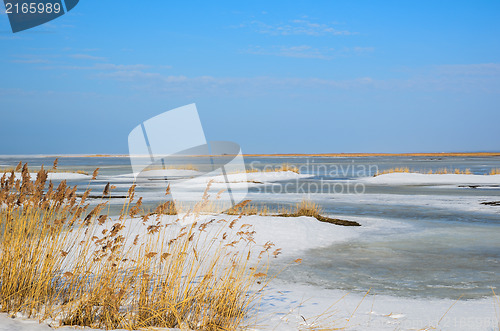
(54, 169)
(495, 171)
(442, 171)
(282, 167)
(172, 166)
(61, 263)
(496, 303)
(304, 208)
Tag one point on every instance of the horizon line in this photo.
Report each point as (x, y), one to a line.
(276, 154)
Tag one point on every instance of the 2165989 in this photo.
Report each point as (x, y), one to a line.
(32, 8)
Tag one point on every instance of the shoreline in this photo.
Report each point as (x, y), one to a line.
(442, 154)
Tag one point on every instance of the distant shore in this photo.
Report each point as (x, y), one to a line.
(385, 154)
(466, 154)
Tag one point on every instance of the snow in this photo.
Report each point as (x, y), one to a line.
(298, 306)
(244, 180)
(292, 306)
(255, 177)
(235, 178)
(445, 202)
(190, 179)
(23, 324)
(292, 234)
(162, 173)
(264, 177)
(431, 179)
(298, 234)
(65, 176)
(55, 176)
(10, 324)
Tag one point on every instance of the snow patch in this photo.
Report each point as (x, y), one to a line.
(431, 179)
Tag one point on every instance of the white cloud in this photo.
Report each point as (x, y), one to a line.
(146, 78)
(9, 36)
(235, 86)
(360, 50)
(302, 51)
(87, 57)
(15, 92)
(308, 52)
(101, 67)
(487, 69)
(32, 59)
(298, 27)
(110, 66)
(421, 79)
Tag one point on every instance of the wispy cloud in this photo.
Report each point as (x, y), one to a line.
(87, 57)
(49, 58)
(155, 82)
(154, 79)
(302, 51)
(486, 80)
(299, 27)
(15, 92)
(9, 36)
(363, 50)
(125, 67)
(481, 69)
(308, 52)
(101, 67)
(30, 59)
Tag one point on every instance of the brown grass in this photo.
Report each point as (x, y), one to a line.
(472, 154)
(10, 169)
(54, 168)
(172, 166)
(466, 154)
(282, 167)
(61, 262)
(304, 208)
(436, 172)
(496, 303)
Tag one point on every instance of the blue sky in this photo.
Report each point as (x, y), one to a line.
(273, 76)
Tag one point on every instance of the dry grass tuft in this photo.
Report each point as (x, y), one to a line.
(172, 166)
(442, 171)
(308, 208)
(495, 171)
(64, 262)
(304, 208)
(245, 208)
(496, 302)
(282, 167)
(52, 170)
(393, 170)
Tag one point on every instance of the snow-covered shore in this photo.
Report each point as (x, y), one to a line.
(54, 176)
(431, 179)
(294, 306)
